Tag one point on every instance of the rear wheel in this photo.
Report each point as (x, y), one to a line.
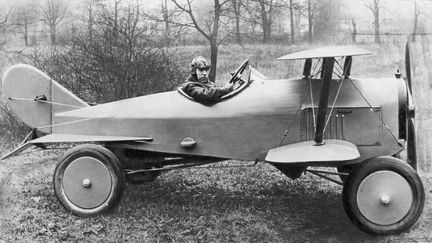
(88, 180)
(383, 196)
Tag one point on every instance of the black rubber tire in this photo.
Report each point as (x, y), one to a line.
(122, 177)
(103, 157)
(385, 164)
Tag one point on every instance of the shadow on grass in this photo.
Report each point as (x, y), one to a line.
(273, 208)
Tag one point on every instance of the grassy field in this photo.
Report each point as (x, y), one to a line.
(256, 204)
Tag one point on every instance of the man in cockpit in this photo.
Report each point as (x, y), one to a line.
(199, 87)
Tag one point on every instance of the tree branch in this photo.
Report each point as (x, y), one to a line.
(191, 15)
(6, 18)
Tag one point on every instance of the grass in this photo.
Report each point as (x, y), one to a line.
(256, 204)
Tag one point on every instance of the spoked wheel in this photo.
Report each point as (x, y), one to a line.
(88, 180)
(383, 196)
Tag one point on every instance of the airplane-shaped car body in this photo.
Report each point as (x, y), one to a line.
(325, 118)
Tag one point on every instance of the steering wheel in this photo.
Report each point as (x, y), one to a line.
(237, 75)
(239, 84)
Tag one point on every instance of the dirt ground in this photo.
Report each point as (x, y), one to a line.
(256, 204)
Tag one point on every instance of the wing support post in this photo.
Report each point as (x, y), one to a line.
(307, 68)
(17, 150)
(326, 73)
(24, 144)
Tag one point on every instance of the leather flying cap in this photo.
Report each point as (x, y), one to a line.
(199, 62)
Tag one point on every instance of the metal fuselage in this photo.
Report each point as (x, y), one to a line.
(247, 125)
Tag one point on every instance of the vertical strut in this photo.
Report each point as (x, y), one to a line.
(326, 74)
(307, 68)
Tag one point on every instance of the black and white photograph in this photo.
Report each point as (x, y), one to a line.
(215, 121)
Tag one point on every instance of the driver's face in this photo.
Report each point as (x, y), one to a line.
(202, 73)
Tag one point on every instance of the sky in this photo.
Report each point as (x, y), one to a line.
(396, 11)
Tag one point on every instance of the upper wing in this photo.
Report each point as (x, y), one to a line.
(327, 51)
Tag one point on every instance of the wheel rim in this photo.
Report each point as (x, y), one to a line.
(384, 197)
(87, 182)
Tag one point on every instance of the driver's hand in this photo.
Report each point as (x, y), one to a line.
(238, 84)
(228, 86)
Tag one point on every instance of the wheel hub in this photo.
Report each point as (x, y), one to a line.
(87, 182)
(385, 200)
(384, 197)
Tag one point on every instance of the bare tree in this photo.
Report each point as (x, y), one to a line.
(89, 11)
(53, 13)
(262, 13)
(167, 20)
(209, 28)
(4, 21)
(123, 59)
(166, 17)
(310, 17)
(236, 8)
(416, 15)
(266, 8)
(266, 11)
(293, 7)
(375, 6)
(25, 14)
(354, 30)
(4, 27)
(326, 21)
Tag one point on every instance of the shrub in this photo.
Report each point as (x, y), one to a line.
(119, 60)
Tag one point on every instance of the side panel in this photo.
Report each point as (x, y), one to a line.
(247, 125)
(345, 123)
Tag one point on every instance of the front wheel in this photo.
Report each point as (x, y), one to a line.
(383, 196)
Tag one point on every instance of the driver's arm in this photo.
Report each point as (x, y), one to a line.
(203, 93)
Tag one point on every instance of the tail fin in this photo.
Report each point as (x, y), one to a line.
(35, 98)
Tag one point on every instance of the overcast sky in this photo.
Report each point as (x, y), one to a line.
(400, 11)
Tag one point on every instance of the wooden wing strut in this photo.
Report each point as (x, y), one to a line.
(327, 71)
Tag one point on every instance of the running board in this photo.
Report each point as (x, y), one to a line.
(70, 138)
(331, 150)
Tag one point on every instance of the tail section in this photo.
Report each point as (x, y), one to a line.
(35, 98)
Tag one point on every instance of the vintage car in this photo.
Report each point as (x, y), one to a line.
(325, 118)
